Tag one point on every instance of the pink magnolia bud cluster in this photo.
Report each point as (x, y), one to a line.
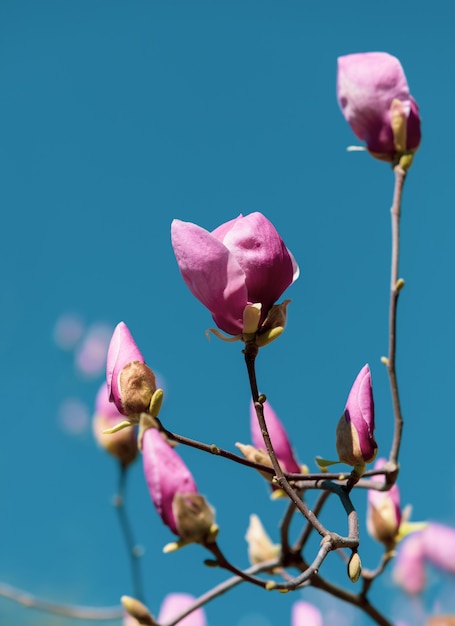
(237, 271)
(374, 97)
(435, 545)
(355, 442)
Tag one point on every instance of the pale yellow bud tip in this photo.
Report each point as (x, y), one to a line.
(354, 567)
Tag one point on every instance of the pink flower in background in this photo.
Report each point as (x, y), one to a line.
(373, 94)
(409, 571)
(174, 603)
(122, 444)
(173, 489)
(355, 432)
(243, 261)
(438, 545)
(306, 614)
(384, 512)
(278, 436)
(90, 356)
(130, 382)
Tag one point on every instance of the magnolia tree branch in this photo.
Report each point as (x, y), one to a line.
(395, 287)
(67, 610)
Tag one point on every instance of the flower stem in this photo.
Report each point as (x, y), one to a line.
(128, 534)
(395, 287)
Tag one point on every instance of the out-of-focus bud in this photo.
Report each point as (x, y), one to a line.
(355, 431)
(441, 620)
(374, 97)
(241, 262)
(384, 513)
(174, 604)
(409, 571)
(121, 444)
(354, 567)
(174, 491)
(256, 456)
(306, 614)
(260, 547)
(138, 613)
(131, 383)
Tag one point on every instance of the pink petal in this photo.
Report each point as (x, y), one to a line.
(360, 411)
(305, 614)
(174, 603)
(122, 350)
(278, 436)
(438, 541)
(166, 474)
(409, 571)
(212, 274)
(268, 265)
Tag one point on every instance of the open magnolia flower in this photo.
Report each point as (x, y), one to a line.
(374, 97)
(237, 271)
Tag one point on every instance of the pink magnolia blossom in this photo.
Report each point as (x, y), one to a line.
(373, 92)
(174, 603)
(306, 614)
(278, 437)
(121, 444)
(130, 382)
(384, 512)
(243, 261)
(173, 489)
(355, 432)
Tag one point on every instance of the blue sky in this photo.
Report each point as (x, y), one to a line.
(118, 117)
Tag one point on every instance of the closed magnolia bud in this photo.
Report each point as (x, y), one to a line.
(137, 611)
(260, 547)
(374, 97)
(137, 385)
(354, 567)
(384, 513)
(355, 431)
(131, 383)
(194, 517)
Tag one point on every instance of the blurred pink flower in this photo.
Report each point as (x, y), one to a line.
(243, 261)
(173, 489)
(409, 571)
(278, 436)
(355, 432)
(122, 444)
(384, 512)
(90, 356)
(306, 614)
(438, 545)
(130, 382)
(174, 603)
(374, 96)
